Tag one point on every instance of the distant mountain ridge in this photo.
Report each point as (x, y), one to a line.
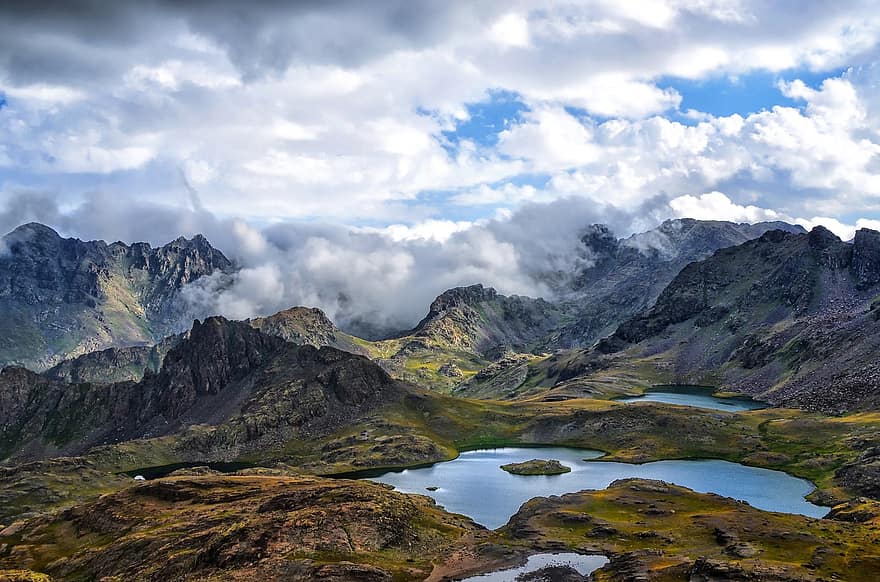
(63, 297)
(110, 304)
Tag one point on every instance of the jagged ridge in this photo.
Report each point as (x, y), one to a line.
(65, 297)
(251, 386)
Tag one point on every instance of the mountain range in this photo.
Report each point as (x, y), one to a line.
(750, 310)
(62, 297)
(107, 376)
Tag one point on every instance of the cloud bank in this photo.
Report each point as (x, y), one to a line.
(376, 280)
(362, 157)
(358, 113)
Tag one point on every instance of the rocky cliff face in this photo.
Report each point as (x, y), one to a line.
(298, 325)
(788, 317)
(66, 297)
(251, 387)
(114, 364)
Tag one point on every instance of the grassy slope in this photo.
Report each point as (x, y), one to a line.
(428, 427)
(421, 367)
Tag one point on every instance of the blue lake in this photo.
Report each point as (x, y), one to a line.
(697, 397)
(474, 484)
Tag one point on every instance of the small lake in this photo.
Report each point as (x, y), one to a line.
(696, 396)
(474, 484)
(582, 564)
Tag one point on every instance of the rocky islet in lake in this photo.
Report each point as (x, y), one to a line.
(537, 467)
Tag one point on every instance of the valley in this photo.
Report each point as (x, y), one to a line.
(250, 432)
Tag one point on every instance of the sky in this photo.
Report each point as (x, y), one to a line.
(326, 143)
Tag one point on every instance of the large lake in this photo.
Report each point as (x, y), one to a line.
(696, 396)
(474, 485)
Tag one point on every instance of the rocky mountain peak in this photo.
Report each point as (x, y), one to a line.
(600, 239)
(461, 296)
(63, 297)
(300, 325)
(774, 236)
(820, 237)
(32, 230)
(828, 248)
(217, 351)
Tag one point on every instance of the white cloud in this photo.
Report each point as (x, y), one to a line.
(612, 95)
(844, 231)
(511, 30)
(552, 138)
(428, 230)
(44, 94)
(338, 111)
(717, 206)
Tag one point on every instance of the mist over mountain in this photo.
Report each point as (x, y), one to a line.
(373, 282)
(65, 297)
(790, 317)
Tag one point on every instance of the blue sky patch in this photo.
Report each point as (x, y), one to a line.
(487, 119)
(723, 96)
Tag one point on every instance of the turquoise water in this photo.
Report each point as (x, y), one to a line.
(583, 564)
(697, 397)
(474, 484)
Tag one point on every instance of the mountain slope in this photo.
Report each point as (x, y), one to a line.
(308, 326)
(65, 297)
(790, 318)
(480, 320)
(465, 329)
(627, 275)
(254, 389)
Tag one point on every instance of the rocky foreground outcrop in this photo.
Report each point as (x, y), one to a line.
(241, 528)
(653, 530)
(276, 527)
